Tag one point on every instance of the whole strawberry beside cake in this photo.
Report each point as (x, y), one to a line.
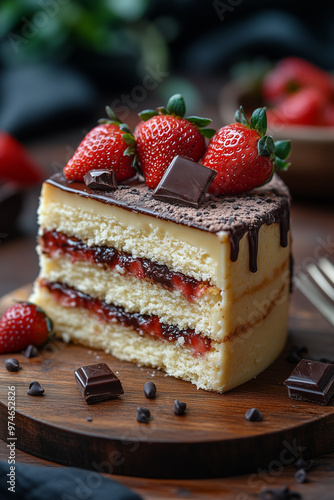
(176, 272)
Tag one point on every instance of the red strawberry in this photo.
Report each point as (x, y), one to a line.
(110, 146)
(304, 107)
(243, 156)
(291, 74)
(164, 134)
(23, 324)
(16, 164)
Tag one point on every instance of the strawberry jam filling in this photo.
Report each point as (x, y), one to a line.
(57, 244)
(143, 324)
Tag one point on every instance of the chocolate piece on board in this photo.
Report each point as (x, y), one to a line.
(185, 182)
(35, 389)
(311, 381)
(12, 365)
(105, 180)
(150, 390)
(98, 383)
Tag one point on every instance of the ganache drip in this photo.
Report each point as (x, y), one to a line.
(280, 216)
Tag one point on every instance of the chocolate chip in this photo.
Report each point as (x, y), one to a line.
(143, 415)
(12, 365)
(179, 407)
(89, 419)
(31, 351)
(283, 493)
(150, 390)
(35, 389)
(213, 205)
(253, 415)
(301, 476)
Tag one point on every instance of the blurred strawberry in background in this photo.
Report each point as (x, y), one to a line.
(18, 172)
(298, 93)
(16, 164)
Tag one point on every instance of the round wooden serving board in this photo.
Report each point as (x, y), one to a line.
(213, 438)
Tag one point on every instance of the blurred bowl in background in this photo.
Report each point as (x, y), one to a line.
(312, 148)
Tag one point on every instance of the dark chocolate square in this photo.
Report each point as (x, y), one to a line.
(185, 182)
(98, 383)
(311, 381)
(104, 180)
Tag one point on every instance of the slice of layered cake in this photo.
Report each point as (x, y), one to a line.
(200, 291)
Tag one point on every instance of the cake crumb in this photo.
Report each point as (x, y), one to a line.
(119, 269)
(66, 338)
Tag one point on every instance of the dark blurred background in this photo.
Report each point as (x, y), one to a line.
(61, 61)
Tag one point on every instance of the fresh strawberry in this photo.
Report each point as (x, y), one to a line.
(109, 145)
(291, 74)
(304, 107)
(243, 156)
(23, 324)
(16, 164)
(164, 134)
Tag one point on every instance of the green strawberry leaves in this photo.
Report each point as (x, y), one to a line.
(283, 149)
(198, 121)
(259, 121)
(176, 107)
(147, 114)
(277, 151)
(266, 146)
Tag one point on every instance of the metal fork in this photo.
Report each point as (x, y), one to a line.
(317, 284)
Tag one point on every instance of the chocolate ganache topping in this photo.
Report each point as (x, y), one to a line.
(237, 215)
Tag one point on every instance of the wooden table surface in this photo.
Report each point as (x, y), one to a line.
(313, 235)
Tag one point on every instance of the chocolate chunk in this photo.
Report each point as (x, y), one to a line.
(104, 180)
(253, 415)
(283, 493)
(185, 182)
(150, 390)
(311, 381)
(179, 407)
(12, 365)
(301, 476)
(98, 383)
(31, 351)
(143, 415)
(35, 389)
